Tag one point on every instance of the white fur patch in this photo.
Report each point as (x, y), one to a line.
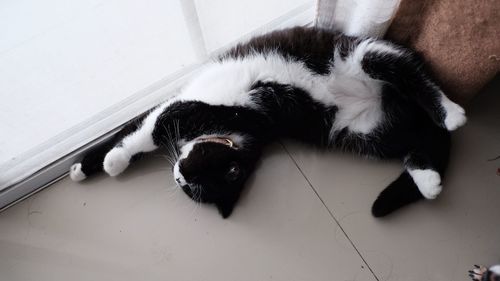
(142, 139)
(358, 102)
(116, 161)
(428, 182)
(357, 96)
(455, 114)
(186, 149)
(76, 173)
(179, 178)
(495, 269)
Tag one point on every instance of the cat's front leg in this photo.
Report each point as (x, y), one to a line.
(92, 162)
(139, 141)
(115, 155)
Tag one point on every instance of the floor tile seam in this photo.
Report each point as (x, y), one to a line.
(335, 220)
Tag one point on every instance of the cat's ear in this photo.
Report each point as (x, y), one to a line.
(226, 206)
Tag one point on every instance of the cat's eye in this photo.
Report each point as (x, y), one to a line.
(233, 172)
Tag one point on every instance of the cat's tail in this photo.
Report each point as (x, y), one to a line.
(93, 160)
(399, 193)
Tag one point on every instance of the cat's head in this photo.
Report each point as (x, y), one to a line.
(214, 170)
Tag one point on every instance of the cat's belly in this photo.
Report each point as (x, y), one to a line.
(359, 103)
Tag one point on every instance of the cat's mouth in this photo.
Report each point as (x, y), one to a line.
(194, 193)
(187, 189)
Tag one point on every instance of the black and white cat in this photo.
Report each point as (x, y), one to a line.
(320, 87)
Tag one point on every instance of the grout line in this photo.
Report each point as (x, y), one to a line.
(329, 211)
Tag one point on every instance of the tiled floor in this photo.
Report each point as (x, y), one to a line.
(304, 216)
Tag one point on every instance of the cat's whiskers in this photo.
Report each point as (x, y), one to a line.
(172, 190)
(170, 160)
(176, 139)
(197, 198)
(171, 145)
(195, 205)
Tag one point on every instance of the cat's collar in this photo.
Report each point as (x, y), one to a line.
(222, 140)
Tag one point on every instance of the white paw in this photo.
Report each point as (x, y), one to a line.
(428, 182)
(455, 114)
(75, 172)
(116, 161)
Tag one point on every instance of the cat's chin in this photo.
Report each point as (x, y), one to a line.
(187, 189)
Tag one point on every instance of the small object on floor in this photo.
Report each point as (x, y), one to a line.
(481, 273)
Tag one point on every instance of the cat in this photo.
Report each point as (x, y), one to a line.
(320, 87)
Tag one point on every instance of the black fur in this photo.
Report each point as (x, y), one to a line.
(312, 46)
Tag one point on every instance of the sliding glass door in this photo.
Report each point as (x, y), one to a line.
(71, 71)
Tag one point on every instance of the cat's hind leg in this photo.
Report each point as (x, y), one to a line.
(422, 179)
(404, 69)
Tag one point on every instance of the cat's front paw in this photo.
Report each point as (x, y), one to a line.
(116, 161)
(455, 114)
(76, 173)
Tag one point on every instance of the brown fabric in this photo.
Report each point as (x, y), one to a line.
(460, 40)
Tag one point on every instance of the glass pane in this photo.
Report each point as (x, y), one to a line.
(224, 21)
(63, 62)
(71, 71)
